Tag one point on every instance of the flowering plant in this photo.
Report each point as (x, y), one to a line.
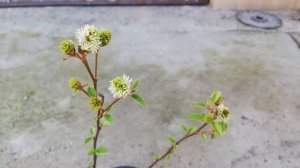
(90, 42)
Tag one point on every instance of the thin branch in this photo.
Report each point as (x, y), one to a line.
(112, 103)
(177, 143)
(96, 71)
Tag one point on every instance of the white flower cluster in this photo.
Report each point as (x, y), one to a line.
(88, 38)
(120, 87)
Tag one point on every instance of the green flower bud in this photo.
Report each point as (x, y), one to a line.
(104, 36)
(95, 103)
(74, 84)
(67, 47)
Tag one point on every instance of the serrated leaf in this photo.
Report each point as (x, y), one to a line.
(191, 129)
(139, 100)
(217, 128)
(203, 137)
(91, 91)
(196, 116)
(91, 151)
(215, 96)
(184, 127)
(135, 84)
(92, 131)
(172, 139)
(101, 151)
(199, 104)
(88, 140)
(108, 118)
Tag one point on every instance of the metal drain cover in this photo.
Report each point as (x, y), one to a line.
(259, 19)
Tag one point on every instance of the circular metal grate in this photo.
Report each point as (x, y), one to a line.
(259, 19)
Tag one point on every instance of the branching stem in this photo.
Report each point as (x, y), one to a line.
(186, 136)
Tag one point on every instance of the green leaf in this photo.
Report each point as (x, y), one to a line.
(217, 128)
(88, 140)
(135, 84)
(192, 129)
(172, 139)
(208, 118)
(203, 137)
(90, 165)
(139, 100)
(215, 96)
(224, 126)
(101, 151)
(184, 127)
(92, 131)
(91, 92)
(157, 157)
(108, 117)
(168, 157)
(196, 116)
(199, 104)
(91, 151)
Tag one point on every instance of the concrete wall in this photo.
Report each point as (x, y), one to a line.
(256, 4)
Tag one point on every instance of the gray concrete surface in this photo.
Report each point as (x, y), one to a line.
(180, 54)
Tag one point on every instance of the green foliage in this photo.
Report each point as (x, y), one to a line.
(88, 140)
(90, 165)
(203, 136)
(92, 131)
(91, 151)
(199, 104)
(157, 157)
(101, 151)
(172, 139)
(191, 129)
(91, 92)
(224, 126)
(215, 96)
(217, 128)
(196, 116)
(108, 117)
(139, 100)
(135, 85)
(208, 118)
(184, 127)
(168, 157)
(105, 123)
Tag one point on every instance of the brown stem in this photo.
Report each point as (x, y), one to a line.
(98, 129)
(177, 143)
(96, 71)
(86, 64)
(112, 103)
(85, 92)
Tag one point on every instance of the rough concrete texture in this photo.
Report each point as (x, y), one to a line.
(180, 54)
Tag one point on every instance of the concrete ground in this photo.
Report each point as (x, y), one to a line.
(180, 54)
